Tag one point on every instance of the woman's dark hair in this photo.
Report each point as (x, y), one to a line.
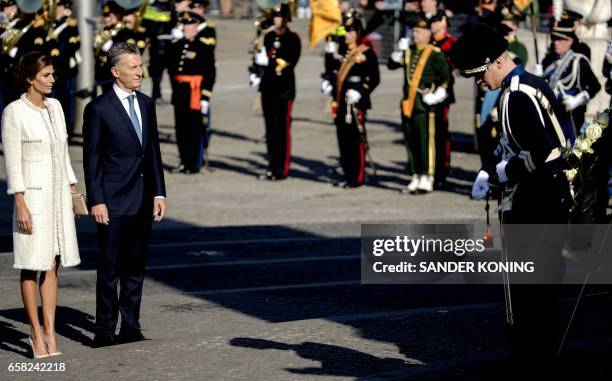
(30, 64)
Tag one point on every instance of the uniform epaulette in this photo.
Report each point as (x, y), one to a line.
(210, 24)
(142, 29)
(437, 49)
(72, 22)
(208, 40)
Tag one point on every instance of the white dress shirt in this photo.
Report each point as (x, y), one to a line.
(123, 97)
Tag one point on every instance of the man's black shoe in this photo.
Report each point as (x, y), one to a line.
(130, 336)
(104, 340)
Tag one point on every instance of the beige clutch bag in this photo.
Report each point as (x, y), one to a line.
(79, 204)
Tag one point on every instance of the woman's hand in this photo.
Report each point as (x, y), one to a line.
(24, 218)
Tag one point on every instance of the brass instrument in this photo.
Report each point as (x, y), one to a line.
(11, 36)
(102, 36)
(140, 13)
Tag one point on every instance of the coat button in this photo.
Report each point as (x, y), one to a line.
(141, 175)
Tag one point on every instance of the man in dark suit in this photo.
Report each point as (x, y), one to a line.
(126, 192)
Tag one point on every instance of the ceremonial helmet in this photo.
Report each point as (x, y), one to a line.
(352, 21)
(281, 10)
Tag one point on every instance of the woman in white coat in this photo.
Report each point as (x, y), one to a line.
(41, 178)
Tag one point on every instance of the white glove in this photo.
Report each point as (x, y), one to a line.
(352, 96)
(481, 186)
(538, 70)
(261, 58)
(77, 57)
(254, 80)
(435, 97)
(500, 169)
(326, 87)
(572, 101)
(397, 56)
(331, 47)
(13, 52)
(72, 62)
(494, 115)
(204, 106)
(107, 46)
(177, 33)
(403, 43)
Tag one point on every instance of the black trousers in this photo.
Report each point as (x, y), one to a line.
(123, 253)
(157, 66)
(189, 128)
(277, 116)
(352, 149)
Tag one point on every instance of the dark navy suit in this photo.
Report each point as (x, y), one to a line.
(125, 175)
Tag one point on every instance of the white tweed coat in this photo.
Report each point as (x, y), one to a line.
(37, 163)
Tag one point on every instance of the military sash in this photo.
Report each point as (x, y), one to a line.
(408, 104)
(353, 57)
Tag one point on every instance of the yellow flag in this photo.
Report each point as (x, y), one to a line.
(326, 17)
(522, 5)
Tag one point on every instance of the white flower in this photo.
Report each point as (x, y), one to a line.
(602, 119)
(582, 144)
(593, 132)
(571, 175)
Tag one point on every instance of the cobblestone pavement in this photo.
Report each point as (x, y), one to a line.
(260, 281)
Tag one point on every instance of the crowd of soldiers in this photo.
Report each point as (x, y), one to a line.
(181, 41)
(177, 35)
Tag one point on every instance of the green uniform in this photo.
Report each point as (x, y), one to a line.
(419, 129)
(518, 49)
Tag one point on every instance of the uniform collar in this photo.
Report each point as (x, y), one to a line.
(518, 70)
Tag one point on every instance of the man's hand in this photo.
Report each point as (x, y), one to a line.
(100, 214)
(326, 87)
(500, 169)
(352, 96)
(254, 80)
(159, 209)
(571, 102)
(331, 47)
(403, 43)
(397, 56)
(204, 106)
(261, 58)
(481, 186)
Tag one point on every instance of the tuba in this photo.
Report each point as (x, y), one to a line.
(11, 36)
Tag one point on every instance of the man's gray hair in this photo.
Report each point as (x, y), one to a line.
(115, 52)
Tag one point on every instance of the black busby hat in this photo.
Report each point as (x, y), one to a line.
(282, 10)
(477, 48)
(66, 3)
(199, 4)
(190, 18)
(352, 21)
(440, 15)
(422, 22)
(112, 7)
(6, 3)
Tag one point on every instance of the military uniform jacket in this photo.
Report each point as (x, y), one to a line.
(363, 76)
(64, 44)
(278, 78)
(33, 38)
(136, 37)
(192, 57)
(570, 74)
(435, 73)
(334, 60)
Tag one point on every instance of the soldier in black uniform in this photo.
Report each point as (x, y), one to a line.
(208, 36)
(159, 20)
(192, 72)
(536, 191)
(65, 42)
(356, 78)
(33, 35)
(132, 33)
(104, 40)
(8, 13)
(570, 76)
(277, 58)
